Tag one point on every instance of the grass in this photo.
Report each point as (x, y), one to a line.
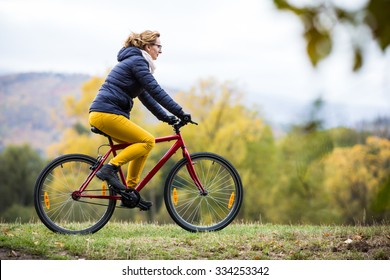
(123, 241)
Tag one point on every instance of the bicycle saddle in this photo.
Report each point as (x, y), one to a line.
(97, 131)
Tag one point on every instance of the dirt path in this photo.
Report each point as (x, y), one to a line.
(8, 254)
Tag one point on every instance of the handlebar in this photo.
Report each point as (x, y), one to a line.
(182, 123)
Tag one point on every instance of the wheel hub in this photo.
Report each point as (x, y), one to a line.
(76, 195)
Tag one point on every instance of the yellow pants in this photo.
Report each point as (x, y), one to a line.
(122, 130)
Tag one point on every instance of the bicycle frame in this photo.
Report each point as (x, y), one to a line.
(179, 143)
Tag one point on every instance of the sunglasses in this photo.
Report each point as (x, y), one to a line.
(158, 46)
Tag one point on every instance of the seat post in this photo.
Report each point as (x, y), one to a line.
(110, 141)
(98, 131)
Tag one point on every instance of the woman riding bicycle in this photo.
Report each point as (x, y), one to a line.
(110, 111)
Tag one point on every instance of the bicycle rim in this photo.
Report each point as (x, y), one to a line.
(214, 211)
(53, 196)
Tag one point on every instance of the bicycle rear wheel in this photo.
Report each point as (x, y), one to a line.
(195, 212)
(56, 207)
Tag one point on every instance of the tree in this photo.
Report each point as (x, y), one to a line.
(78, 138)
(295, 197)
(321, 18)
(231, 129)
(226, 124)
(19, 168)
(356, 182)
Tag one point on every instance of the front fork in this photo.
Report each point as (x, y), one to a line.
(191, 171)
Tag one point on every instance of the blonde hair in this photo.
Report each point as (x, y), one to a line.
(142, 39)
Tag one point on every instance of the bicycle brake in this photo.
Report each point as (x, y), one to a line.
(96, 164)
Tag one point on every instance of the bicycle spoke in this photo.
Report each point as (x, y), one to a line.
(54, 202)
(212, 210)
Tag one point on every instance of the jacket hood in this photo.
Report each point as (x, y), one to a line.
(128, 52)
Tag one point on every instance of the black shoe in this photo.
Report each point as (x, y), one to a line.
(144, 205)
(108, 173)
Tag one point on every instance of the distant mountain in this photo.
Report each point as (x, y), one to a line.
(30, 103)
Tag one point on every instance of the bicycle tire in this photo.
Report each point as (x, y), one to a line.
(53, 200)
(195, 212)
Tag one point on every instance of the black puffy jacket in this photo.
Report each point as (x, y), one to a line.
(129, 79)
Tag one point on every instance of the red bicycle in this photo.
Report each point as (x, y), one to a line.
(203, 191)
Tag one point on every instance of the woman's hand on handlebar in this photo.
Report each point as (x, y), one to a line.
(185, 118)
(180, 120)
(171, 120)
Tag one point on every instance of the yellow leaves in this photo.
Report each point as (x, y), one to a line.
(354, 174)
(226, 126)
(378, 142)
(77, 111)
(72, 142)
(80, 107)
(59, 244)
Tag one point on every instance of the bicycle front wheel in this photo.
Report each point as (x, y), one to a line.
(58, 209)
(196, 212)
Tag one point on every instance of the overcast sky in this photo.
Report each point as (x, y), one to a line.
(248, 42)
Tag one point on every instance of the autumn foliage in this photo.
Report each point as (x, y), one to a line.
(306, 176)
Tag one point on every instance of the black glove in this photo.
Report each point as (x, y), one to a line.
(185, 118)
(170, 119)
